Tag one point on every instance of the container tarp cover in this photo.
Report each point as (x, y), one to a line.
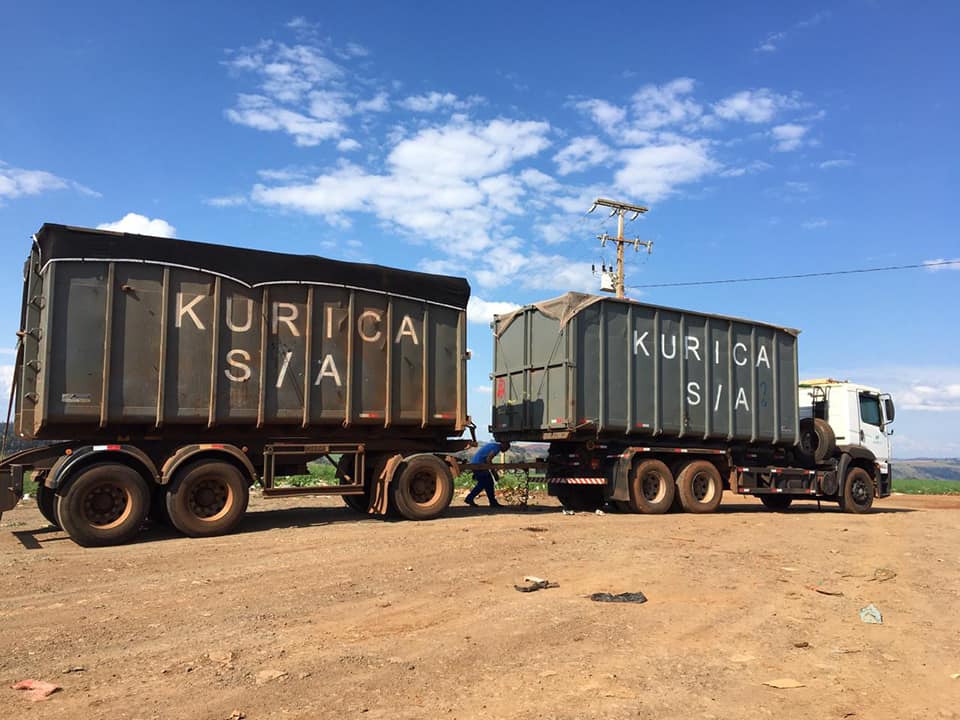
(250, 267)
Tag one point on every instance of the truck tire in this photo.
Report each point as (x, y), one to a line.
(104, 504)
(652, 488)
(359, 503)
(158, 507)
(46, 503)
(700, 486)
(777, 503)
(206, 498)
(423, 488)
(817, 441)
(858, 493)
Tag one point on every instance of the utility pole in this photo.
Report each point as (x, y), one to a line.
(620, 209)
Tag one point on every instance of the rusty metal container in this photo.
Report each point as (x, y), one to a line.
(583, 365)
(134, 335)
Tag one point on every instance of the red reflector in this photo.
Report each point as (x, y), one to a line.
(113, 447)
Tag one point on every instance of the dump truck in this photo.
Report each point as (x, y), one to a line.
(653, 408)
(166, 377)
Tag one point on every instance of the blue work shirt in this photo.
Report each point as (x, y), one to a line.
(484, 455)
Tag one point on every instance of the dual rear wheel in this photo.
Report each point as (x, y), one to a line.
(106, 503)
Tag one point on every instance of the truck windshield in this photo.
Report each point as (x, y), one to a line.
(870, 409)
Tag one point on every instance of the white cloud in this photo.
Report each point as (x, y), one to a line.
(748, 169)
(6, 379)
(140, 225)
(753, 106)
(827, 164)
(433, 101)
(788, 137)
(19, 182)
(651, 173)
(655, 106)
(227, 201)
(262, 113)
(771, 42)
(814, 224)
(348, 145)
(939, 264)
(483, 389)
(378, 103)
(581, 153)
(482, 311)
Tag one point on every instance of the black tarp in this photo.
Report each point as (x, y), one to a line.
(252, 267)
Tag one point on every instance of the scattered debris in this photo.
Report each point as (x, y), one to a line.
(74, 669)
(409, 568)
(220, 656)
(567, 511)
(237, 715)
(824, 591)
(955, 676)
(37, 690)
(680, 539)
(535, 529)
(845, 651)
(625, 597)
(742, 658)
(871, 615)
(801, 645)
(784, 683)
(883, 574)
(265, 676)
(534, 583)
(598, 511)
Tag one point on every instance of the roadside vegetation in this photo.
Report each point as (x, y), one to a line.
(912, 486)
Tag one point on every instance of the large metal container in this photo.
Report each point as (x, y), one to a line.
(134, 335)
(583, 365)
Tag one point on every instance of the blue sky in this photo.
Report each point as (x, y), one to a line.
(471, 139)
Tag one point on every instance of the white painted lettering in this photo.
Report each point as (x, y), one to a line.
(691, 345)
(762, 357)
(744, 348)
(663, 346)
(638, 343)
(716, 405)
(328, 368)
(247, 324)
(407, 330)
(376, 315)
(693, 393)
(741, 398)
(716, 352)
(291, 313)
(238, 360)
(283, 368)
(329, 310)
(188, 310)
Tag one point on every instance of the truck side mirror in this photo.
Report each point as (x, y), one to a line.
(888, 409)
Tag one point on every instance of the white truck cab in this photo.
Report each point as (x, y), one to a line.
(859, 416)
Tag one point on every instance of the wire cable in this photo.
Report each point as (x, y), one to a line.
(729, 281)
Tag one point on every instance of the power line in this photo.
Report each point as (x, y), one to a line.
(728, 281)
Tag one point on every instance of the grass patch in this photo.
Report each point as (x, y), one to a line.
(912, 486)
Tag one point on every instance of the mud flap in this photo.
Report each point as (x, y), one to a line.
(11, 487)
(380, 495)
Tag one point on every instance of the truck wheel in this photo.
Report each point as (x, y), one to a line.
(776, 502)
(857, 492)
(208, 497)
(46, 502)
(700, 486)
(359, 503)
(423, 489)
(652, 488)
(817, 440)
(103, 505)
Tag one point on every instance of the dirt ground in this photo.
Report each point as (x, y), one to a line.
(313, 612)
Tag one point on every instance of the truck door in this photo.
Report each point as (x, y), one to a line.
(872, 435)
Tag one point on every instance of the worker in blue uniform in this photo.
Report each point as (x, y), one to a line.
(485, 478)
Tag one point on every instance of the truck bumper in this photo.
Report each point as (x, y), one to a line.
(11, 487)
